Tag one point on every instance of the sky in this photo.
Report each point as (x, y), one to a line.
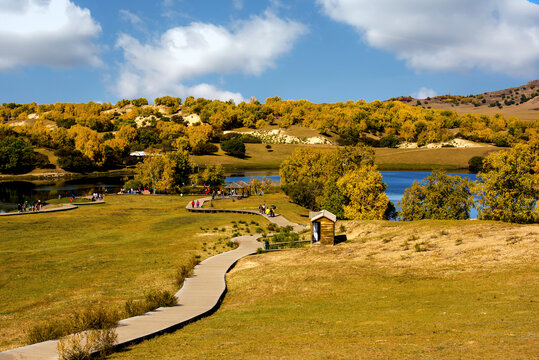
(318, 50)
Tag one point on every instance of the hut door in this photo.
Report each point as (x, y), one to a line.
(316, 232)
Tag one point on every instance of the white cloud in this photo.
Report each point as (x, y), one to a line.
(493, 35)
(182, 54)
(129, 16)
(54, 33)
(424, 93)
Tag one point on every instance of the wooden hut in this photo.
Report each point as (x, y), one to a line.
(323, 227)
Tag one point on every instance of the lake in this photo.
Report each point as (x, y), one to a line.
(12, 192)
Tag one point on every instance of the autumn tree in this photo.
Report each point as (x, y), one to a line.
(509, 186)
(365, 191)
(311, 177)
(438, 196)
(199, 134)
(128, 133)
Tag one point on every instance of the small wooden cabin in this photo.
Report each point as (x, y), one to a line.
(323, 227)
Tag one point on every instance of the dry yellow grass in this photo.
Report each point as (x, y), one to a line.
(471, 295)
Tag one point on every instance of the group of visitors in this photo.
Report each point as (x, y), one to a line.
(30, 207)
(195, 203)
(134, 191)
(268, 210)
(97, 196)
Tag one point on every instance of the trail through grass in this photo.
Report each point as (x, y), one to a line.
(52, 264)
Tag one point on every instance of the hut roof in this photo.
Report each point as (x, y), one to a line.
(233, 185)
(320, 214)
(242, 183)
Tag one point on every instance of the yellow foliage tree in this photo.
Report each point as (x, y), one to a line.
(199, 134)
(364, 187)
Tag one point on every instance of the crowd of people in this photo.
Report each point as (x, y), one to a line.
(268, 210)
(30, 206)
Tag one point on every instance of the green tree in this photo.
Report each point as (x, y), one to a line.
(332, 199)
(509, 187)
(183, 167)
(15, 155)
(213, 176)
(438, 196)
(233, 147)
(475, 164)
(364, 189)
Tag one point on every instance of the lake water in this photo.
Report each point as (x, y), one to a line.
(12, 192)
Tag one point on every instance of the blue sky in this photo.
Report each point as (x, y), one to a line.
(319, 50)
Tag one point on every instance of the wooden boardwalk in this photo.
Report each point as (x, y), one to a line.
(200, 295)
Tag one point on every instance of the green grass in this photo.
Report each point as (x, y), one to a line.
(429, 159)
(351, 302)
(57, 263)
(257, 157)
(67, 200)
(289, 210)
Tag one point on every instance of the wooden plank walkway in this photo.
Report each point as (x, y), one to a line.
(200, 295)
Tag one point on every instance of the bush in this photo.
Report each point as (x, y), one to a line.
(48, 331)
(160, 298)
(95, 318)
(83, 346)
(389, 142)
(134, 308)
(233, 147)
(250, 139)
(475, 164)
(204, 149)
(185, 271)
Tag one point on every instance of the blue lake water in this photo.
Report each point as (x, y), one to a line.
(397, 182)
(12, 192)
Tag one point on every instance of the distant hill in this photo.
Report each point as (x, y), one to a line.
(521, 101)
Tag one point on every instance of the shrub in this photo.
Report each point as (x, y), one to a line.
(134, 308)
(97, 317)
(47, 331)
(204, 149)
(233, 147)
(389, 141)
(250, 139)
(475, 164)
(83, 346)
(160, 298)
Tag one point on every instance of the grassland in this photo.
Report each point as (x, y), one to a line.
(292, 212)
(468, 289)
(258, 157)
(56, 263)
(429, 159)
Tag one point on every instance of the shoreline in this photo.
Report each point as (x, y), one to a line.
(229, 171)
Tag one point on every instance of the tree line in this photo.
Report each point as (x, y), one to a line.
(92, 136)
(346, 182)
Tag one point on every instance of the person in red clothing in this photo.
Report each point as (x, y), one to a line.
(193, 203)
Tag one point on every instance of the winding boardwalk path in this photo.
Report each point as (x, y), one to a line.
(200, 295)
(47, 209)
